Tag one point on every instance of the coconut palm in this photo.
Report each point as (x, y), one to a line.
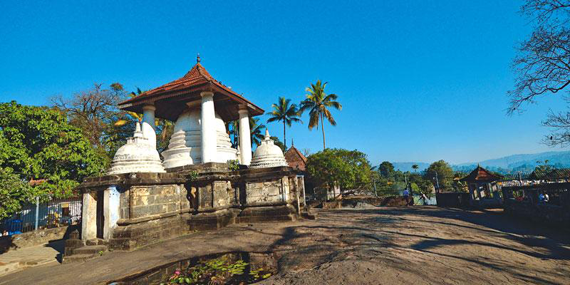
(256, 130)
(318, 102)
(415, 167)
(284, 112)
(257, 134)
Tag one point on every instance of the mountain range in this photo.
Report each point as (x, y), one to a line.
(507, 164)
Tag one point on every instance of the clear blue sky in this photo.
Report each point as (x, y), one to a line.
(418, 80)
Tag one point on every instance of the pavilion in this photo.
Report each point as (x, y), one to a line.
(199, 104)
(196, 185)
(482, 186)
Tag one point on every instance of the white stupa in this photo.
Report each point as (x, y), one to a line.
(268, 154)
(137, 155)
(185, 146)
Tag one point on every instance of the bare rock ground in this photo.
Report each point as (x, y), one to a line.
(419, 245)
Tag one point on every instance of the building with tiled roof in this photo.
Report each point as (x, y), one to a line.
(296, 159)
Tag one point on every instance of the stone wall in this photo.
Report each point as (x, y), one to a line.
(544, 213)
(153, 200)
(265, 192)
(33, 238)
(155, 206)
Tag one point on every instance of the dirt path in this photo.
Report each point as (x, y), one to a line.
(423, 245)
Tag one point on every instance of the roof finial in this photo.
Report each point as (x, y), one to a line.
(292, 142)
(198, 58)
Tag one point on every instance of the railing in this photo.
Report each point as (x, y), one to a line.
(55, 213)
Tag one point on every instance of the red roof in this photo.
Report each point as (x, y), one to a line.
(296, 159)
(481, 174)
(170, 99)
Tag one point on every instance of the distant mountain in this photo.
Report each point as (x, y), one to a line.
(508, 164)
(559, 159)
(407, 166)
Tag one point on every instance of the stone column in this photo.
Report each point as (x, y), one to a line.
(244, 137)
(88, 217)
(208, 117)
(148, 125)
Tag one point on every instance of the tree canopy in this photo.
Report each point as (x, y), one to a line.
(345, 168)
(38, 143)
(440, 173)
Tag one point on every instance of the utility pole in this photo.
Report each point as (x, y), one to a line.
(375, 191)
(437, 181)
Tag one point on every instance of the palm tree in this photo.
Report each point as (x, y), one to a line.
(415, 167)
(317, 103)
(284, 112)
(256, 130)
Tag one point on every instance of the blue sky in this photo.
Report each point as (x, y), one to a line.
(418, 80)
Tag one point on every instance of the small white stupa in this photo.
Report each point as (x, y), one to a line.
(268, 154)
(137, 155)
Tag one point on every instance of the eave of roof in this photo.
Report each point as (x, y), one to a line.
(190, 85)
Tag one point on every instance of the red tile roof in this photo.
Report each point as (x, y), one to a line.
(196, 80)
(296, 159)
(481, 174)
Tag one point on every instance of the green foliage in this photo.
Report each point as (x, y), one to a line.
(38, 143)
(317, 102)
(233, 164)
(220, 270)
(278, 143)
(444, 175)
(13, 193)
(347, 169)
(284, 112)
(386, 170)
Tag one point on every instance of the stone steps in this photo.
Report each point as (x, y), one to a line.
(85, 252)
(90, 249)
(78, 258)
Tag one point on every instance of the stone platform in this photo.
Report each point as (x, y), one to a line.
(136, 209)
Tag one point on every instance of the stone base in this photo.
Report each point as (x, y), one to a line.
(267, 214)
(212, 221)
(129, 237)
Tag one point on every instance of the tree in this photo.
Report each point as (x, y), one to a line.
(164, 128)
(256, 130)
(440, 173)
(386, 170)
(284, 112)
(38, 143)
(13, 193)
(340, 167)
(415, 167)
(94, 112)
(318, 102)
(543, 63)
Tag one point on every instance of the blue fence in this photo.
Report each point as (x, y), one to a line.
(55, 213)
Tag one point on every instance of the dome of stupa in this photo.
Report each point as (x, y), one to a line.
(137, 155)
(268, 154)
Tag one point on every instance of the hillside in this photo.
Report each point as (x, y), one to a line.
(517, 162)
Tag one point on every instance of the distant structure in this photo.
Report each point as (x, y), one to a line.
(296, 159)
(483, 189)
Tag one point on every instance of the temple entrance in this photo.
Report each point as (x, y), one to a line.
(100, 214)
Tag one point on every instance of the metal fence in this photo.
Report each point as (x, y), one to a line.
(55, 213)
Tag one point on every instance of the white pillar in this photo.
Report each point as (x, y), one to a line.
(208, 117)
(244, 137)
(148, 125)
(89, 217)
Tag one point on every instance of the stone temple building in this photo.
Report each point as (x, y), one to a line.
(200, 183)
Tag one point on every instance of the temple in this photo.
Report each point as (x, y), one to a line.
(201, 182)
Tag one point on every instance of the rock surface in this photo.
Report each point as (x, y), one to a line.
(413, 245)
